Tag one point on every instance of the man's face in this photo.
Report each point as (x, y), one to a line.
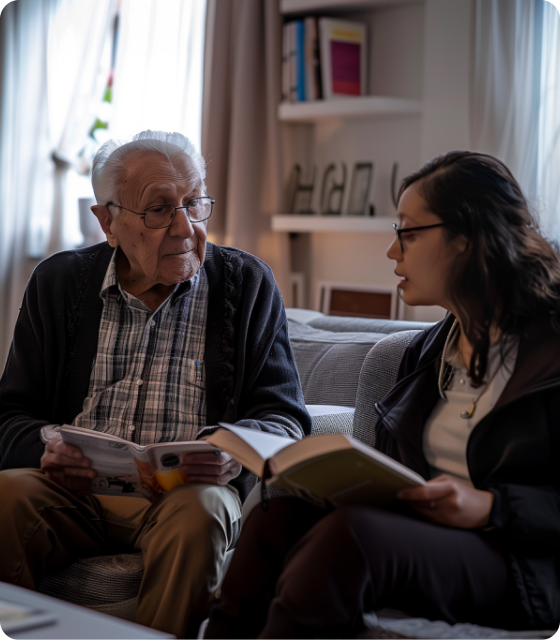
(158, 256)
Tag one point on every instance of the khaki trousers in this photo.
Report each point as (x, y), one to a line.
(183, 538)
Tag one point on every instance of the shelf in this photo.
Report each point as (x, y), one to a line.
(332, 6)
(312, 223)
(364, 106)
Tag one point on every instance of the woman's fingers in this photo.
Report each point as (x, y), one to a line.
(433, 490)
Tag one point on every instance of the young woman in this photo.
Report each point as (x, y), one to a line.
(475, 410)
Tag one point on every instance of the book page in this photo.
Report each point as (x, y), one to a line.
(346, 476)
(248, 446)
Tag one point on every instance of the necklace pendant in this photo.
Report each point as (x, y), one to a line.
(468, 414)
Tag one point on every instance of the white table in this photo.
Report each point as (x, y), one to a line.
(72, 621)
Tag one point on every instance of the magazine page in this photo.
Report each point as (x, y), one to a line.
(115, 461)
(165, 459)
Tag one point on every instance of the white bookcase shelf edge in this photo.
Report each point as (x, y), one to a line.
(315, 223)
(305, 6)
(363, 106)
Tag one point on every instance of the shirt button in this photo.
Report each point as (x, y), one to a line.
(139, 381)
(131, 427)
(152, 323)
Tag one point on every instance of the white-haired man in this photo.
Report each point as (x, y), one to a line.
(153, 336)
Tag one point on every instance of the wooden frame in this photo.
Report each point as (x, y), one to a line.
(358, 300)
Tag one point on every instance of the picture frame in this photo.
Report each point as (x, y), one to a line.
(359, 189)
(358, 300)
(302, 193)
(297, 289)
(332, 192)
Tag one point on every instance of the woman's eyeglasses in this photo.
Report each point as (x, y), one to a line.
(399, 232)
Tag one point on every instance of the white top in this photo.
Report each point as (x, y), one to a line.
(446, 434)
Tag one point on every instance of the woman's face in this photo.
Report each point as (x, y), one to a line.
(426, 256)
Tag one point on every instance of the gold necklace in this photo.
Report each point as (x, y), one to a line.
(448, 375)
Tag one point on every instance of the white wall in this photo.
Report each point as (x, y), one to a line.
(420, 50)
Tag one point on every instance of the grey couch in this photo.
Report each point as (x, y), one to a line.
(345, 366)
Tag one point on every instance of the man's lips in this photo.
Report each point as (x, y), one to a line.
(181, 253)
(401, 278)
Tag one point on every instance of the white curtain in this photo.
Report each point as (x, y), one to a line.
(158, 70)
(48, 71)
(24, 147)
(76, 79)
(549, 121)
(516, 97)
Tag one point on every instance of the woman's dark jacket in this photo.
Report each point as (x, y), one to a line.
(251, 375)
(514, 452)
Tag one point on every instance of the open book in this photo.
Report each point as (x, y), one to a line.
(128, 469)
(327, 470)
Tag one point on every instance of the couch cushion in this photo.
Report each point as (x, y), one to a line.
(329, 363)
(370, 325)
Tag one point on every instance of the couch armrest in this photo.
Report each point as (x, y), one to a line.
(328, 418)
(377, 378)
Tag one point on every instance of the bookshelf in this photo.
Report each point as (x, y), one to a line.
(416, 106)
(381, 127)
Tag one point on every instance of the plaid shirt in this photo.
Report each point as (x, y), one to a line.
(147, 383)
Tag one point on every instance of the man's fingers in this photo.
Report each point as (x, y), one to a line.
(219, 480)
(61, 460)
(206, 457)
(60, 447)
(207, 469)
(75, 472)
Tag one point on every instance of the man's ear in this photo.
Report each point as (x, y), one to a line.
(105, 217)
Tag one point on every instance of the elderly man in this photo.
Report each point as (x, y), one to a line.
(153, 336)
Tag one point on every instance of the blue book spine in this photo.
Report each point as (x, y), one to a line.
(300, 56)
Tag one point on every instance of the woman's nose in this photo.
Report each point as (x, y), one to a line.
(394, 252)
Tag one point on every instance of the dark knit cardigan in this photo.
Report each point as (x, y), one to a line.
(251, 375)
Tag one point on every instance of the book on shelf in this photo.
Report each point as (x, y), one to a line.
(292, 62)
(328, 470)
(300, 59)
(343, 57)
(312, 64)
(286, 62)
(128, 469)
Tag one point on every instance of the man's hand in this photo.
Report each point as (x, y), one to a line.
(66, 465)
(212, 467)
(445, 500)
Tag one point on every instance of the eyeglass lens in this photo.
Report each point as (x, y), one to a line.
(160, 216)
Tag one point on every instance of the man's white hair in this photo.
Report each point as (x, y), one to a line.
(109, 163)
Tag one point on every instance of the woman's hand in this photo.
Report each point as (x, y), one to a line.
(212, 467)
(66, 465)
(445, 500)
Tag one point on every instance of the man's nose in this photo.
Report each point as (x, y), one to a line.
(181, 225)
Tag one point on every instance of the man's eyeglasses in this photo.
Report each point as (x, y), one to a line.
(401, 231)
(161, 216)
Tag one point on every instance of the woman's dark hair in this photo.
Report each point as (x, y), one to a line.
(509, 274)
